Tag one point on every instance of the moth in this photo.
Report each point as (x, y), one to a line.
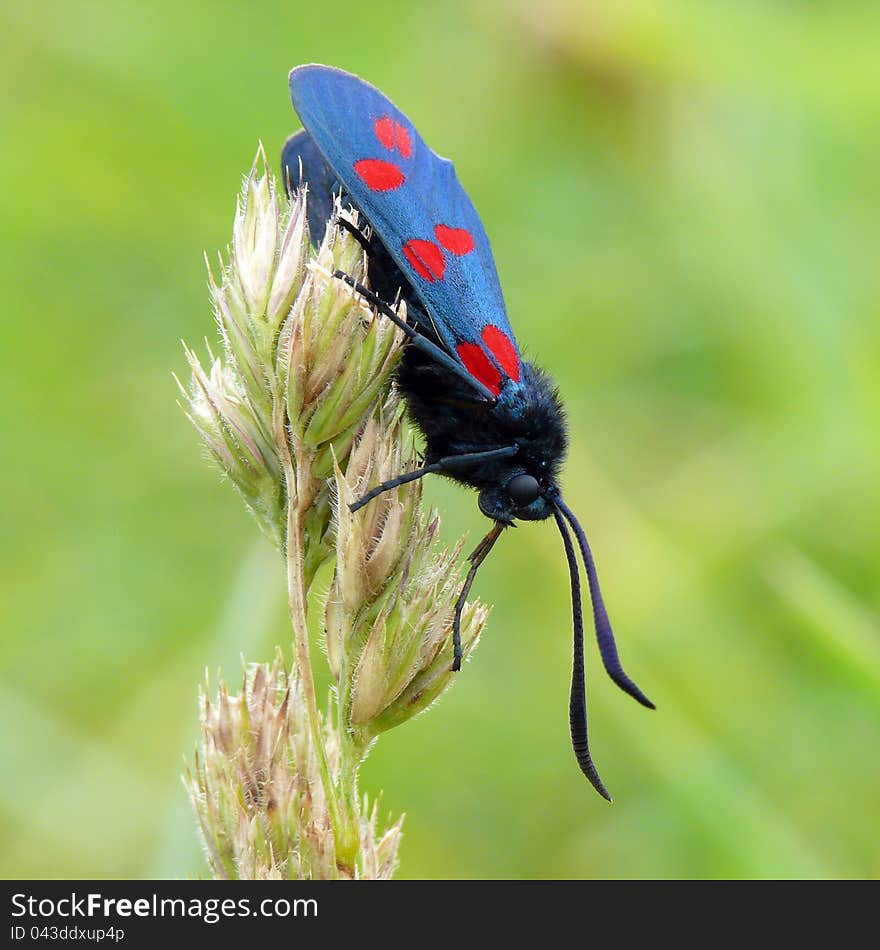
(490, 419)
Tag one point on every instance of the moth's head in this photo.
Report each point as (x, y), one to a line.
(531, 417)
(521, 497)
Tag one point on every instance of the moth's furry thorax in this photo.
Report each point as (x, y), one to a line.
(528, 415)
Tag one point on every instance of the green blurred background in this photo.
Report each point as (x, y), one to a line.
(683, 203)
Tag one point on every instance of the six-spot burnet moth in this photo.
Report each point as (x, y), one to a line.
(490, 419)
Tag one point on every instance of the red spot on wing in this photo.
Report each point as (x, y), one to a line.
(379, 175)
(393, 135)
(425, 258)
(384, 129)
(456, 240)
(502, 348)
(479, 366)
(404, 142)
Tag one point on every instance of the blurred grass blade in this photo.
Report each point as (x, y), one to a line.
(839, 627)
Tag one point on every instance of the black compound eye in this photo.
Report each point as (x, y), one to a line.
(523, 489)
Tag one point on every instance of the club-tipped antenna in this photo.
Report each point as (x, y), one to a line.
(604, 633)
(577, 704)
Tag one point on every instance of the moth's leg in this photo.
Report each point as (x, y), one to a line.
(378, 256)
(417, 338)
(479, 554)
(447, 464)
(365, 242)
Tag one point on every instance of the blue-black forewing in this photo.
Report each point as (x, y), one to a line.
(301, 161)
(415, 203)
